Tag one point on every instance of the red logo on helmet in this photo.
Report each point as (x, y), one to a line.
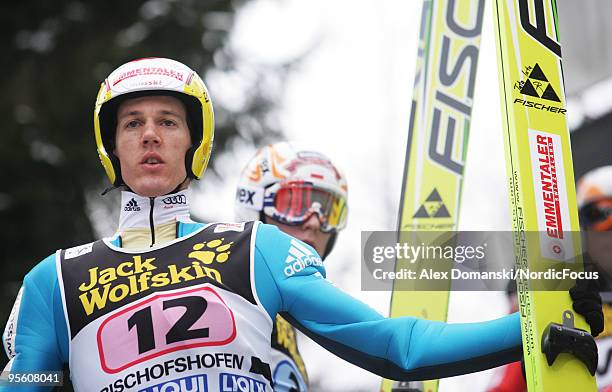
(149, 71)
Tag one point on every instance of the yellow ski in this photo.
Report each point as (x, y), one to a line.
(541, 181)
(449, 43)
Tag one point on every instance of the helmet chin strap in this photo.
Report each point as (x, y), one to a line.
(178, 187)
(330, 245)
(109, 189)
(127, 188)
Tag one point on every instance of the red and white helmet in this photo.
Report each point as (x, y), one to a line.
(287, 183)
(594, 185)
(594, 198)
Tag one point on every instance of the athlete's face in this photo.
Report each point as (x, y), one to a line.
(308, 232)
(151, 141)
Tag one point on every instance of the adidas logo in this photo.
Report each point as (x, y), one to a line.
(537, 85)
(131, 205)
(300, 257)
(433, 207)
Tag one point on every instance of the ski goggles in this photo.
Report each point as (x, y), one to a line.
(293, 202)
(598, 215)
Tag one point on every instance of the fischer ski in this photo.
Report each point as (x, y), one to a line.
(542, 195)
(449, 43)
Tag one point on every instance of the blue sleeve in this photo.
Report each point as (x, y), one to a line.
(290, 279)
(36, 336)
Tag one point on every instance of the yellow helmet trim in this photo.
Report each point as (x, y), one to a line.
(104, 158)
(201, 154)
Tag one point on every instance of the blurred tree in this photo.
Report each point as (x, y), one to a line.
(55, 55)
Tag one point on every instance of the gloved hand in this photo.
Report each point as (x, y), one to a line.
(587, 302)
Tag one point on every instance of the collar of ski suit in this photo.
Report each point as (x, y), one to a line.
(147, 212)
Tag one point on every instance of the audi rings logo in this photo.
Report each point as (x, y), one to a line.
(176, 199)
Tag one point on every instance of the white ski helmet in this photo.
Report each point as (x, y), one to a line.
(154, 76)
(592, 187)
(595, 185)
(287, 182)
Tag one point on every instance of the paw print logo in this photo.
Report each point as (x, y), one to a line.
(215, 250)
